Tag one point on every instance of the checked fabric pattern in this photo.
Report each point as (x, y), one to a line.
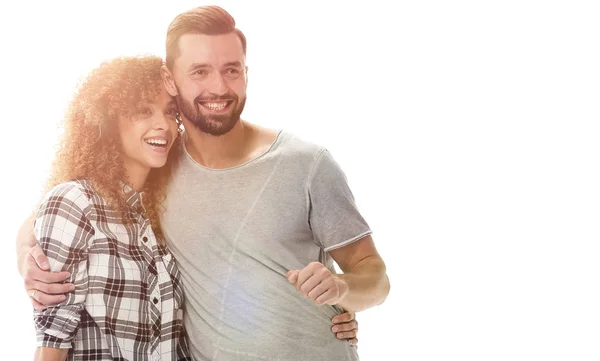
(128, 297)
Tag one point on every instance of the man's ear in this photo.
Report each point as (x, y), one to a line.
(168, 80)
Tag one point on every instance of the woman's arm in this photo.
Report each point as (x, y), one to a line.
(34, 267)
(64, 231)
(50, 354)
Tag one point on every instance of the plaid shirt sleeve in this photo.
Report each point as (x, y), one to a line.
(64, 232)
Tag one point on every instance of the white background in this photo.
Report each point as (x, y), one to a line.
(468, 131)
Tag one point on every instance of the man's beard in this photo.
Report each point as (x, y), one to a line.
(214, 124)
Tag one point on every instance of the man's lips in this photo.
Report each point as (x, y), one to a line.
(215, 105)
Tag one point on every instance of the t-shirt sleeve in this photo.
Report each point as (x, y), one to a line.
(333, 216)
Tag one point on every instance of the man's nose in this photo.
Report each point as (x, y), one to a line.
(217, 84)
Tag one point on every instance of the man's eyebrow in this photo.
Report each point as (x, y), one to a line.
(199, 66)
(195, 66)
(234, 63)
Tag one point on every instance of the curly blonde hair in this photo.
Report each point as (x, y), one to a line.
(90, 146)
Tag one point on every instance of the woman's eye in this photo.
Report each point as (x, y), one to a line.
(145, 111)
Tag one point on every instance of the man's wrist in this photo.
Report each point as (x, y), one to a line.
(342, 285)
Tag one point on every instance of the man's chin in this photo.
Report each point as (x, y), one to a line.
(217, 132)
(214, 128)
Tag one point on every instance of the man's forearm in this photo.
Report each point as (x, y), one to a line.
(25, 240)
(51, 354)
(368, 285)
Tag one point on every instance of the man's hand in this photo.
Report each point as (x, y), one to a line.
(345, 326)
(41, 285)
(318, 284)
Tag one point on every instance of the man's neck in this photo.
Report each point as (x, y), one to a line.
(241, 144)
(218, 152)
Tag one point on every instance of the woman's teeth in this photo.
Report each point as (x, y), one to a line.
(157, 142)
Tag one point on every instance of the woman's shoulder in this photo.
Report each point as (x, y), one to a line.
(76, 192)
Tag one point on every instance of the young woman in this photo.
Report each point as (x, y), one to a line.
(100, 222)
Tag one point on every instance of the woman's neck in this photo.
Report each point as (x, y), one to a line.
(136, 175)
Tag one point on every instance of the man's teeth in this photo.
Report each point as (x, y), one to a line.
(156, 141)
(215, 106)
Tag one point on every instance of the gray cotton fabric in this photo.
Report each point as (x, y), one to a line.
(235, 234)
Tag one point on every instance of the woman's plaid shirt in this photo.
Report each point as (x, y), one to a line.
(128, 297)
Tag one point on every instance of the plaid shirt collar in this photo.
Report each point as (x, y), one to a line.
(133, 198)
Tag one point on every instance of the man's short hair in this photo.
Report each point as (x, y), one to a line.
(208, 20)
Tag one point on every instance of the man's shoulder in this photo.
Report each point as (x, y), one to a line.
(300, 148)
(284, 141)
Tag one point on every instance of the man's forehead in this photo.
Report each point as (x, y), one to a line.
(211, 49)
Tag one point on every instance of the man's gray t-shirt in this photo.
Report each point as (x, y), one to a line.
(235, 234)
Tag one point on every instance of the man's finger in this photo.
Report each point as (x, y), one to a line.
(343, 327)
(33, 272)
(40, 258)
(303, 276)
(329, 297)
(52, 288)
(34, 302)
(353, 341)
(292, 276)
(36, 305)
(310, 284)
(54, 277)
(347, 334)
(344, 317)
(318, 290)
(46, 299)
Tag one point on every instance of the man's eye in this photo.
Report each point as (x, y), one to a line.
(201, 72)
(232, 72)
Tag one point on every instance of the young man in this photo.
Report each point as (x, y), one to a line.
(255, 217)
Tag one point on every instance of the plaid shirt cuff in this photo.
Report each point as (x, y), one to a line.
(56, 326)
(45, 340)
